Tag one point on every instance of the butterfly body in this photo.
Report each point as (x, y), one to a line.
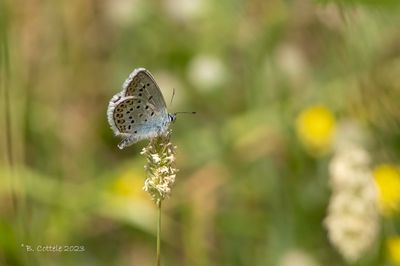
(139, 111)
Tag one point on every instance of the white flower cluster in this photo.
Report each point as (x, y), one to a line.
(353, 220)
(160, 167)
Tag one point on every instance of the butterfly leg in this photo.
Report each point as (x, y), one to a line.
(128, 141)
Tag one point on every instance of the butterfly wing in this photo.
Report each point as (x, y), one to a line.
(139, 111)
(135, 119)
(141, 84)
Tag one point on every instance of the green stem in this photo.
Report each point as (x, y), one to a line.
(159, 233)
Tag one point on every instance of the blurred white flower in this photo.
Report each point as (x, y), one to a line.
(184, 10)
(124, 12)
(297, 258)
(292, 62)
(207, 72)
(348, 170)
(353, 220)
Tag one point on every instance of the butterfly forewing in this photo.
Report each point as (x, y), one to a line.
(142, 85)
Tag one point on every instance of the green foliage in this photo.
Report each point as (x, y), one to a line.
(248, 190)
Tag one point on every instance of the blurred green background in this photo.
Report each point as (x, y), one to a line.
(273, 83)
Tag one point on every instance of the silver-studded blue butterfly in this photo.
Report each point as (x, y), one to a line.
(139, 111)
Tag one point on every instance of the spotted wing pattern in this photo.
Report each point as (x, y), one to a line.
(139, 111)
(141, 84)
(131, 114)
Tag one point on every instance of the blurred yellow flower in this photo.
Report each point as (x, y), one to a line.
(393, 249)
(387, 178)
(128, 185)
(315, 128)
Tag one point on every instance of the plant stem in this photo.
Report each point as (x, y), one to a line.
(159, 233)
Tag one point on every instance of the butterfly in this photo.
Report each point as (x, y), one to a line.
(139, 111)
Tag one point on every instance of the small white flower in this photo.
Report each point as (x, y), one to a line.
(163, 170)
(170, 158)
(155, 158)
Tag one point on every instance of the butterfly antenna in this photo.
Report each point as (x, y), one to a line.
(173, 95)
(192, 113)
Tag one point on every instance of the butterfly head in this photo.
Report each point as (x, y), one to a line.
(171, 117)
